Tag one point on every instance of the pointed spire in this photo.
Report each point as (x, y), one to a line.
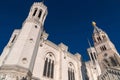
(89, 43)
(96, 29)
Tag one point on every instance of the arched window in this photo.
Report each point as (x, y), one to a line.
(113, 61)
(94, 40)
(40, 13)
(49, 65)
(103, 48)
(106, 62)
(103, 36)
(14, 38)
(92, 57)
(116, 59)
(99, 39)
(35, 11)
(71, 72)
(95, 55)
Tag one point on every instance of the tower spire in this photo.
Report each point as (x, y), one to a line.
(96, 29)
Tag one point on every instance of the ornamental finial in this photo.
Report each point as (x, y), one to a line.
(93, 23)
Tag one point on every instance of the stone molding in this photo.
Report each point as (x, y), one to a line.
(15, 69)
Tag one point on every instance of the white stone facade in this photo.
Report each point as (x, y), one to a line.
(29, 55)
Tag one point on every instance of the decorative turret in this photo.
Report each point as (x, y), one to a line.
(19, 59)
(96, 29)
(107, 55)
(38, 13)
(92, 53)
(98, 35)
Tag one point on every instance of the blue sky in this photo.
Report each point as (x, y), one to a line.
(68, 21)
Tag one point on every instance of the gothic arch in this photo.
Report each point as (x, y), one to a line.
(35, 11)
(71, 71)
(49, 62)
(40, 13)
(50, 55)
(113, 62)
(106, 62)
(71, 65)
(117, 59)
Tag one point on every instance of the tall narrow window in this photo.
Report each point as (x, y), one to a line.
(113, 61)
(13, 38)
(52, 70)
(35, 11)
(73, 75)
(117, 61)
(103, 48)
(49, 66)
(98, 38)
(103, 36)
(95, 55)
(106, 62)
(68, 74)
(40, 13)
(45, 67)
(92, 56)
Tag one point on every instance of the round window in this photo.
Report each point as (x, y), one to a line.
(105, 55)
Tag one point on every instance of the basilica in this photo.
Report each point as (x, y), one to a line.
(29, 55)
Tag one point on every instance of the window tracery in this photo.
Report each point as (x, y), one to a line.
(49, 65)
(71, 72)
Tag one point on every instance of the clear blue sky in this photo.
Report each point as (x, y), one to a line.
(68, 21)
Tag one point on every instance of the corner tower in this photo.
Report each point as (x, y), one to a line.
(107, 54)
(38, 13)
(18, 57)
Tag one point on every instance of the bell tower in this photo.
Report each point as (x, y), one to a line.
(99, 35)
(18, 57)
(107, 54)
(38, 13)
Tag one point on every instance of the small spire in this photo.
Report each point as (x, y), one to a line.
(89, 43)
(93, 23)
(96, 29)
